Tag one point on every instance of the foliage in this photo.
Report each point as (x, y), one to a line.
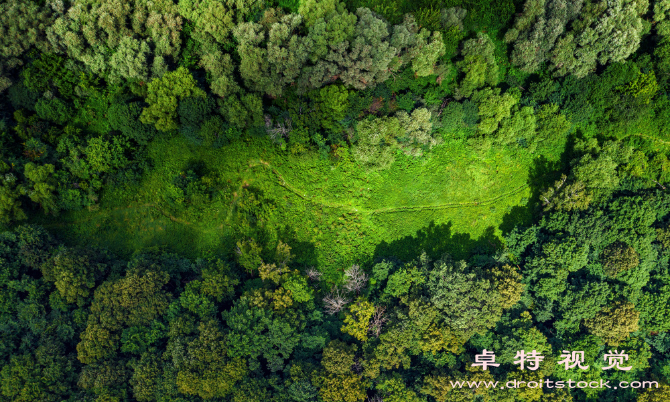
(348, 200)
(575, 36)
(116, 39)
(478, 65)
(163, 96)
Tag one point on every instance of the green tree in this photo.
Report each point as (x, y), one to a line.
(466, 297)
(339, 383)
(375, 140)
(418, 130)
(116, 38)
(358, 321)
(214, 20)
(207, 370)
(614, 323)
(75, 273)
(619, 257)
(478, 65)
(493, 107)
(271, 60)
(22, 26)
(576, 36)
(134, 300)
(163, 96)
(42, 186)
(601, 34)
(10, 204)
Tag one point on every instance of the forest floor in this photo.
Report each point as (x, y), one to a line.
(333, 214)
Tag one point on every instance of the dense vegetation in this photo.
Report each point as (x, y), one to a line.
(317, 200)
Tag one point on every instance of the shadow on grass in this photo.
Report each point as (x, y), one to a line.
(543, 173)
(436, 240)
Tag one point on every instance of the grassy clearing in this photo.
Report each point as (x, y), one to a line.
(332, 213)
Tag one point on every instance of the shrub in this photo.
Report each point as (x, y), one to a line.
(54, 110)
(125, 117)
(164, 95)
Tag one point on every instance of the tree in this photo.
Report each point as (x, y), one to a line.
(270, 61)
(358, 322)
(214, 20)
(536, 30)
(47, 374)
(417, 129)
(453, 17)
(22, 26)
(10, 205)
(576, 35)
(332, 102)
(242, 110)
(478, 65)
(493, 107)
(315, 10)
(134, 300)
(42, 186)
(614, 323)
(375, 139)
(116, 38)
(355, 279)
(600, 35)
(125, 117)
(520, 126)
(619, 257)
(260, 332)
(207, 370)
(221, 68)
(163, 96)
(339, 383)
(106, 156)
(129, 62)
(74, 273)
(655, 394)
(467, 299)
(335, 301)
(329, 24)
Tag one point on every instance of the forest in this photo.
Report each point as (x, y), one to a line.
(334, 200)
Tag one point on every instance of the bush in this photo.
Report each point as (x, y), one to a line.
(375, 140)
(54, 110)
(164, 95)
(193, 111)
(125, 117)
(22, 97)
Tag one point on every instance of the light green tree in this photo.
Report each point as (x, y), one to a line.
(10, 205)
(116, 37)
(42, 186)
(163, 96)
(23, 25)
(417, 129)
(271, 60)
(614, 323)
(478, 65)
(376, 137)
(493, 107)
(358, 319)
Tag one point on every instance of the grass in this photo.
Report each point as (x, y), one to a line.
(332, 213)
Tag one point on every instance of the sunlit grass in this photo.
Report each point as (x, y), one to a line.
(334, 207)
